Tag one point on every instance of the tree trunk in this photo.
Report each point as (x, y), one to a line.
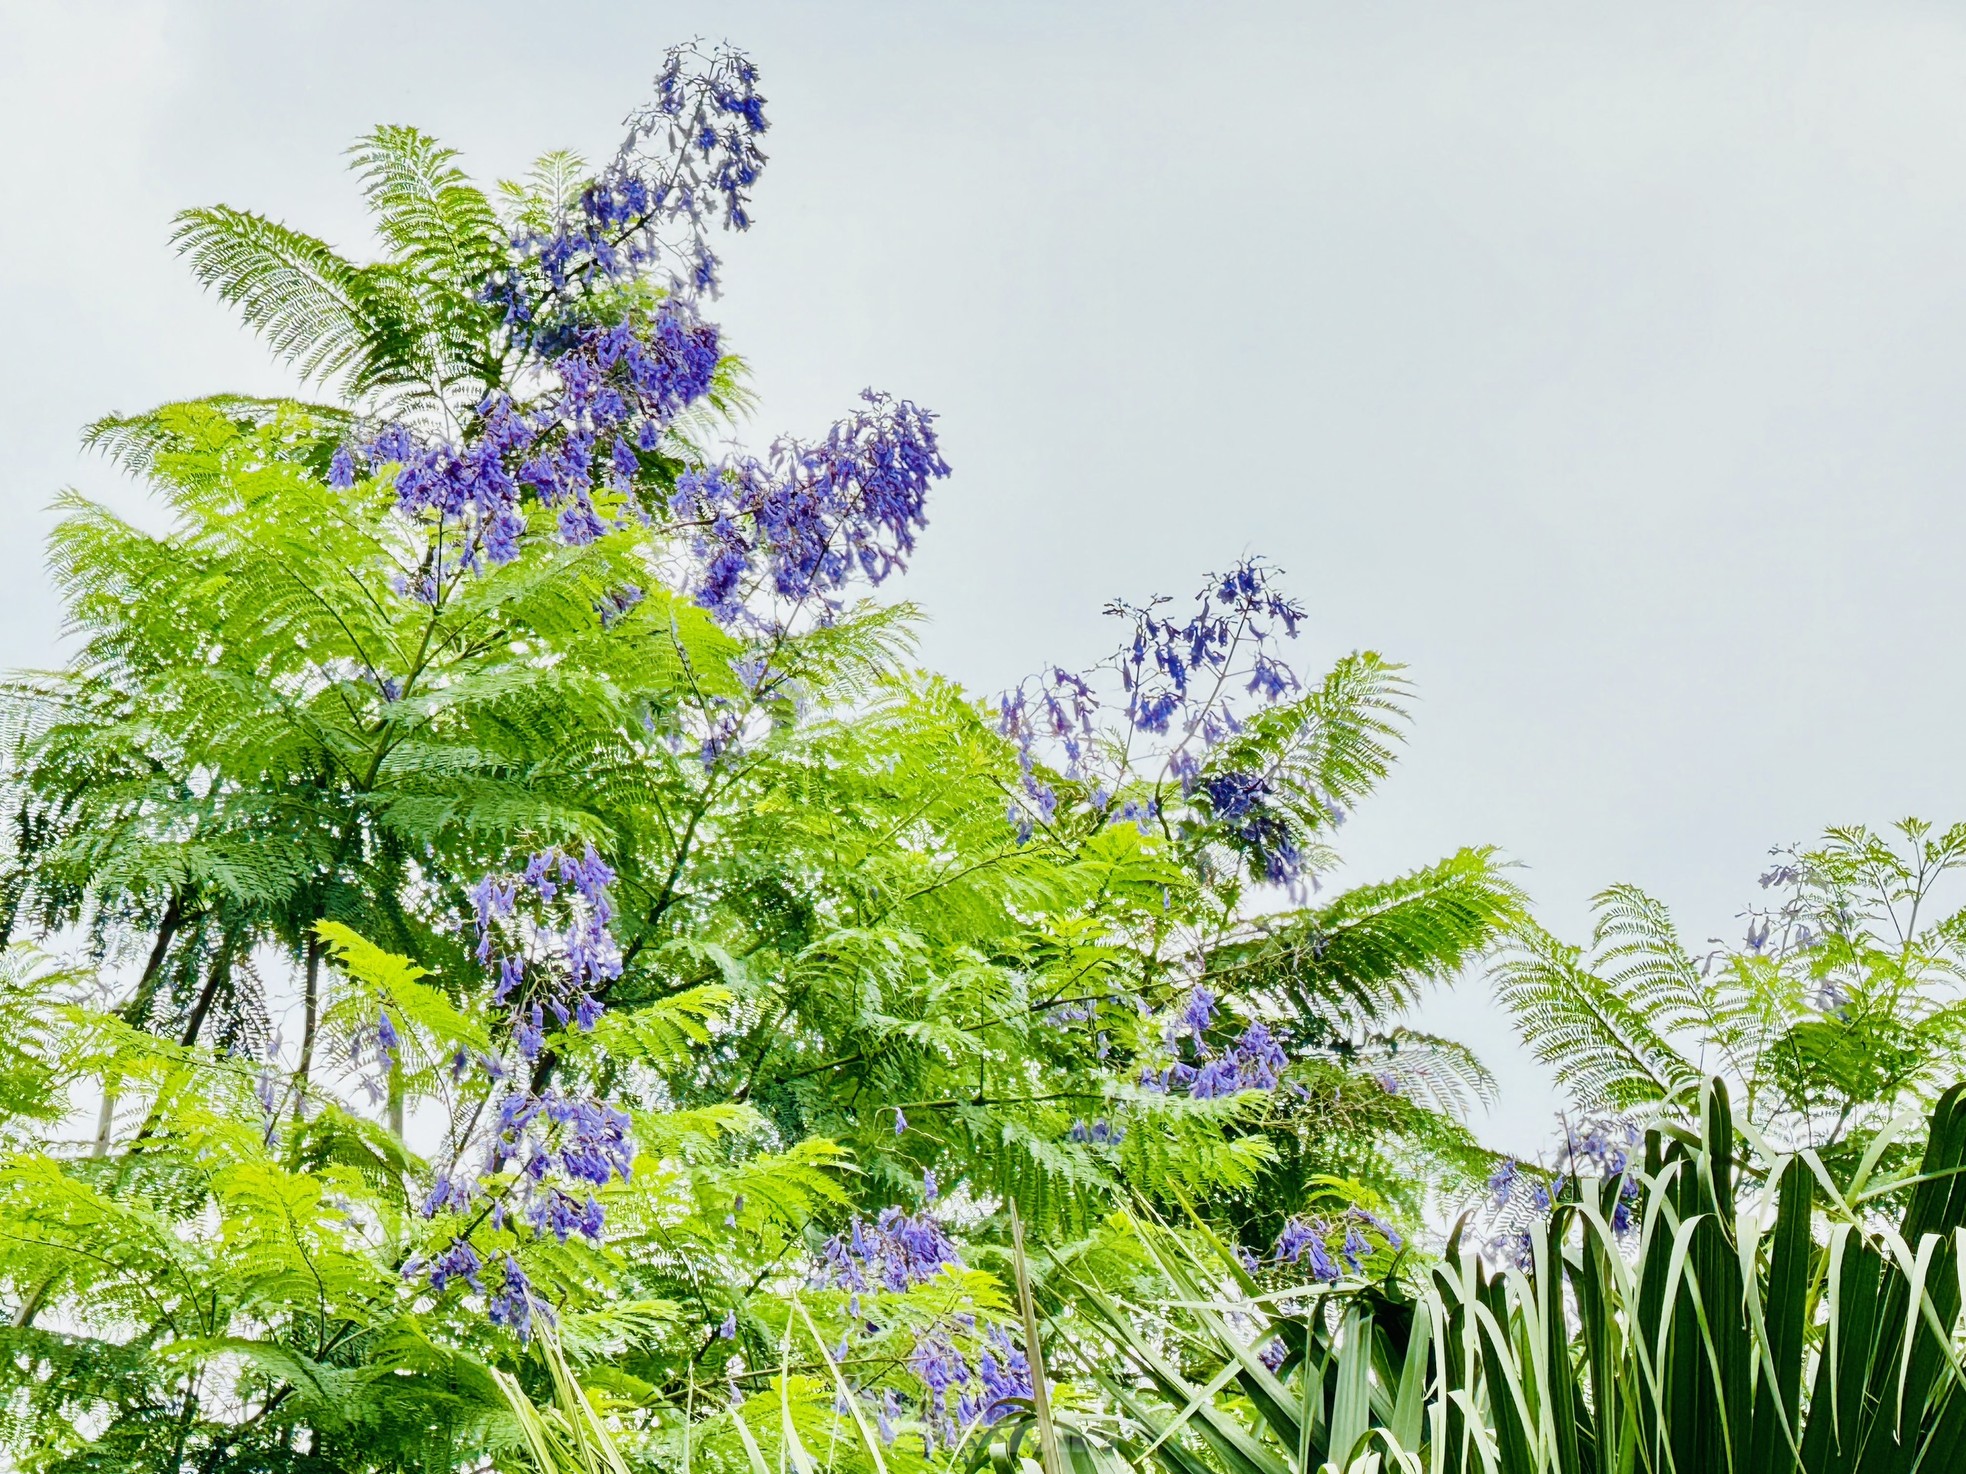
(310, 1021)
(138, 1009)
(396, 1101)
(219, 977)
(105, 1121)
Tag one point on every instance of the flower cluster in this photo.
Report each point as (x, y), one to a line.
(689, 161)
(569, 962)
(619, 371)
(1252, 1061)
(618, 389)
(969, 1373)
(1100, 1132)
(811, 516)
(1306, 1242)
(1519, 1195)
(897, 1251)
(1237, 617)
(960, 1393)
(1059, 712)
(1184, 690)
(378, 1042)
(546, 1153)
(1242, 804)
(621, 383)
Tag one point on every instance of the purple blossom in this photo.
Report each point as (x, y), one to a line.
(1622, 1216)
(810, 517)
(1384, 1229)
(894, 1252)
(1291, 1243)
(1595, 1149)
(513, 1306)
(564, 1214)
(458, 1261)
(1502, 1181)
(941, 1370)
(1187, 682)
(1253, 1061)
(1356, 1248)
(1097, 1133)
(1306, 1242)
(689, 161)
(547, 1151)
(615, 385)
(585, 950)
(1004, 1375)
(1241, 808)
(1197, 1013)
(450, 1195)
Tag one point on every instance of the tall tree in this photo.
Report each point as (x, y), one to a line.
(650, 916)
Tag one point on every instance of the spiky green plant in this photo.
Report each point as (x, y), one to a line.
(1761, 1316)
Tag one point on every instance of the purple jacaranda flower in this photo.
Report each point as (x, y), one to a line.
(513, 1306)
(894, 1252)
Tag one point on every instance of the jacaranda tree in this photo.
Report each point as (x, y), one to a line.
(536, 929)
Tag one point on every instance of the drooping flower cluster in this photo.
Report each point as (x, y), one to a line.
(569, 960)
(617, 370)
(1185, 689)
(545, 1153)
(897, 1251)
(618, 384)
(1060, 713)
(1243, 805)
(811, 517)
(960, 1392)
(1168, 665)
(1306, 1242)
(1100, 1132)
(970, 1373)
(1811, 912)
(1519, 1194)
(1253, 1060)
(618, 388)
(689, 161)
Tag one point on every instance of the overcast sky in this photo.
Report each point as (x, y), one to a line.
(1601, 363)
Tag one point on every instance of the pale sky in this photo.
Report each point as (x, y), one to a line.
(1601, 363)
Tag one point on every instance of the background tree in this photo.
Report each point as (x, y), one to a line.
(1841, 1009)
